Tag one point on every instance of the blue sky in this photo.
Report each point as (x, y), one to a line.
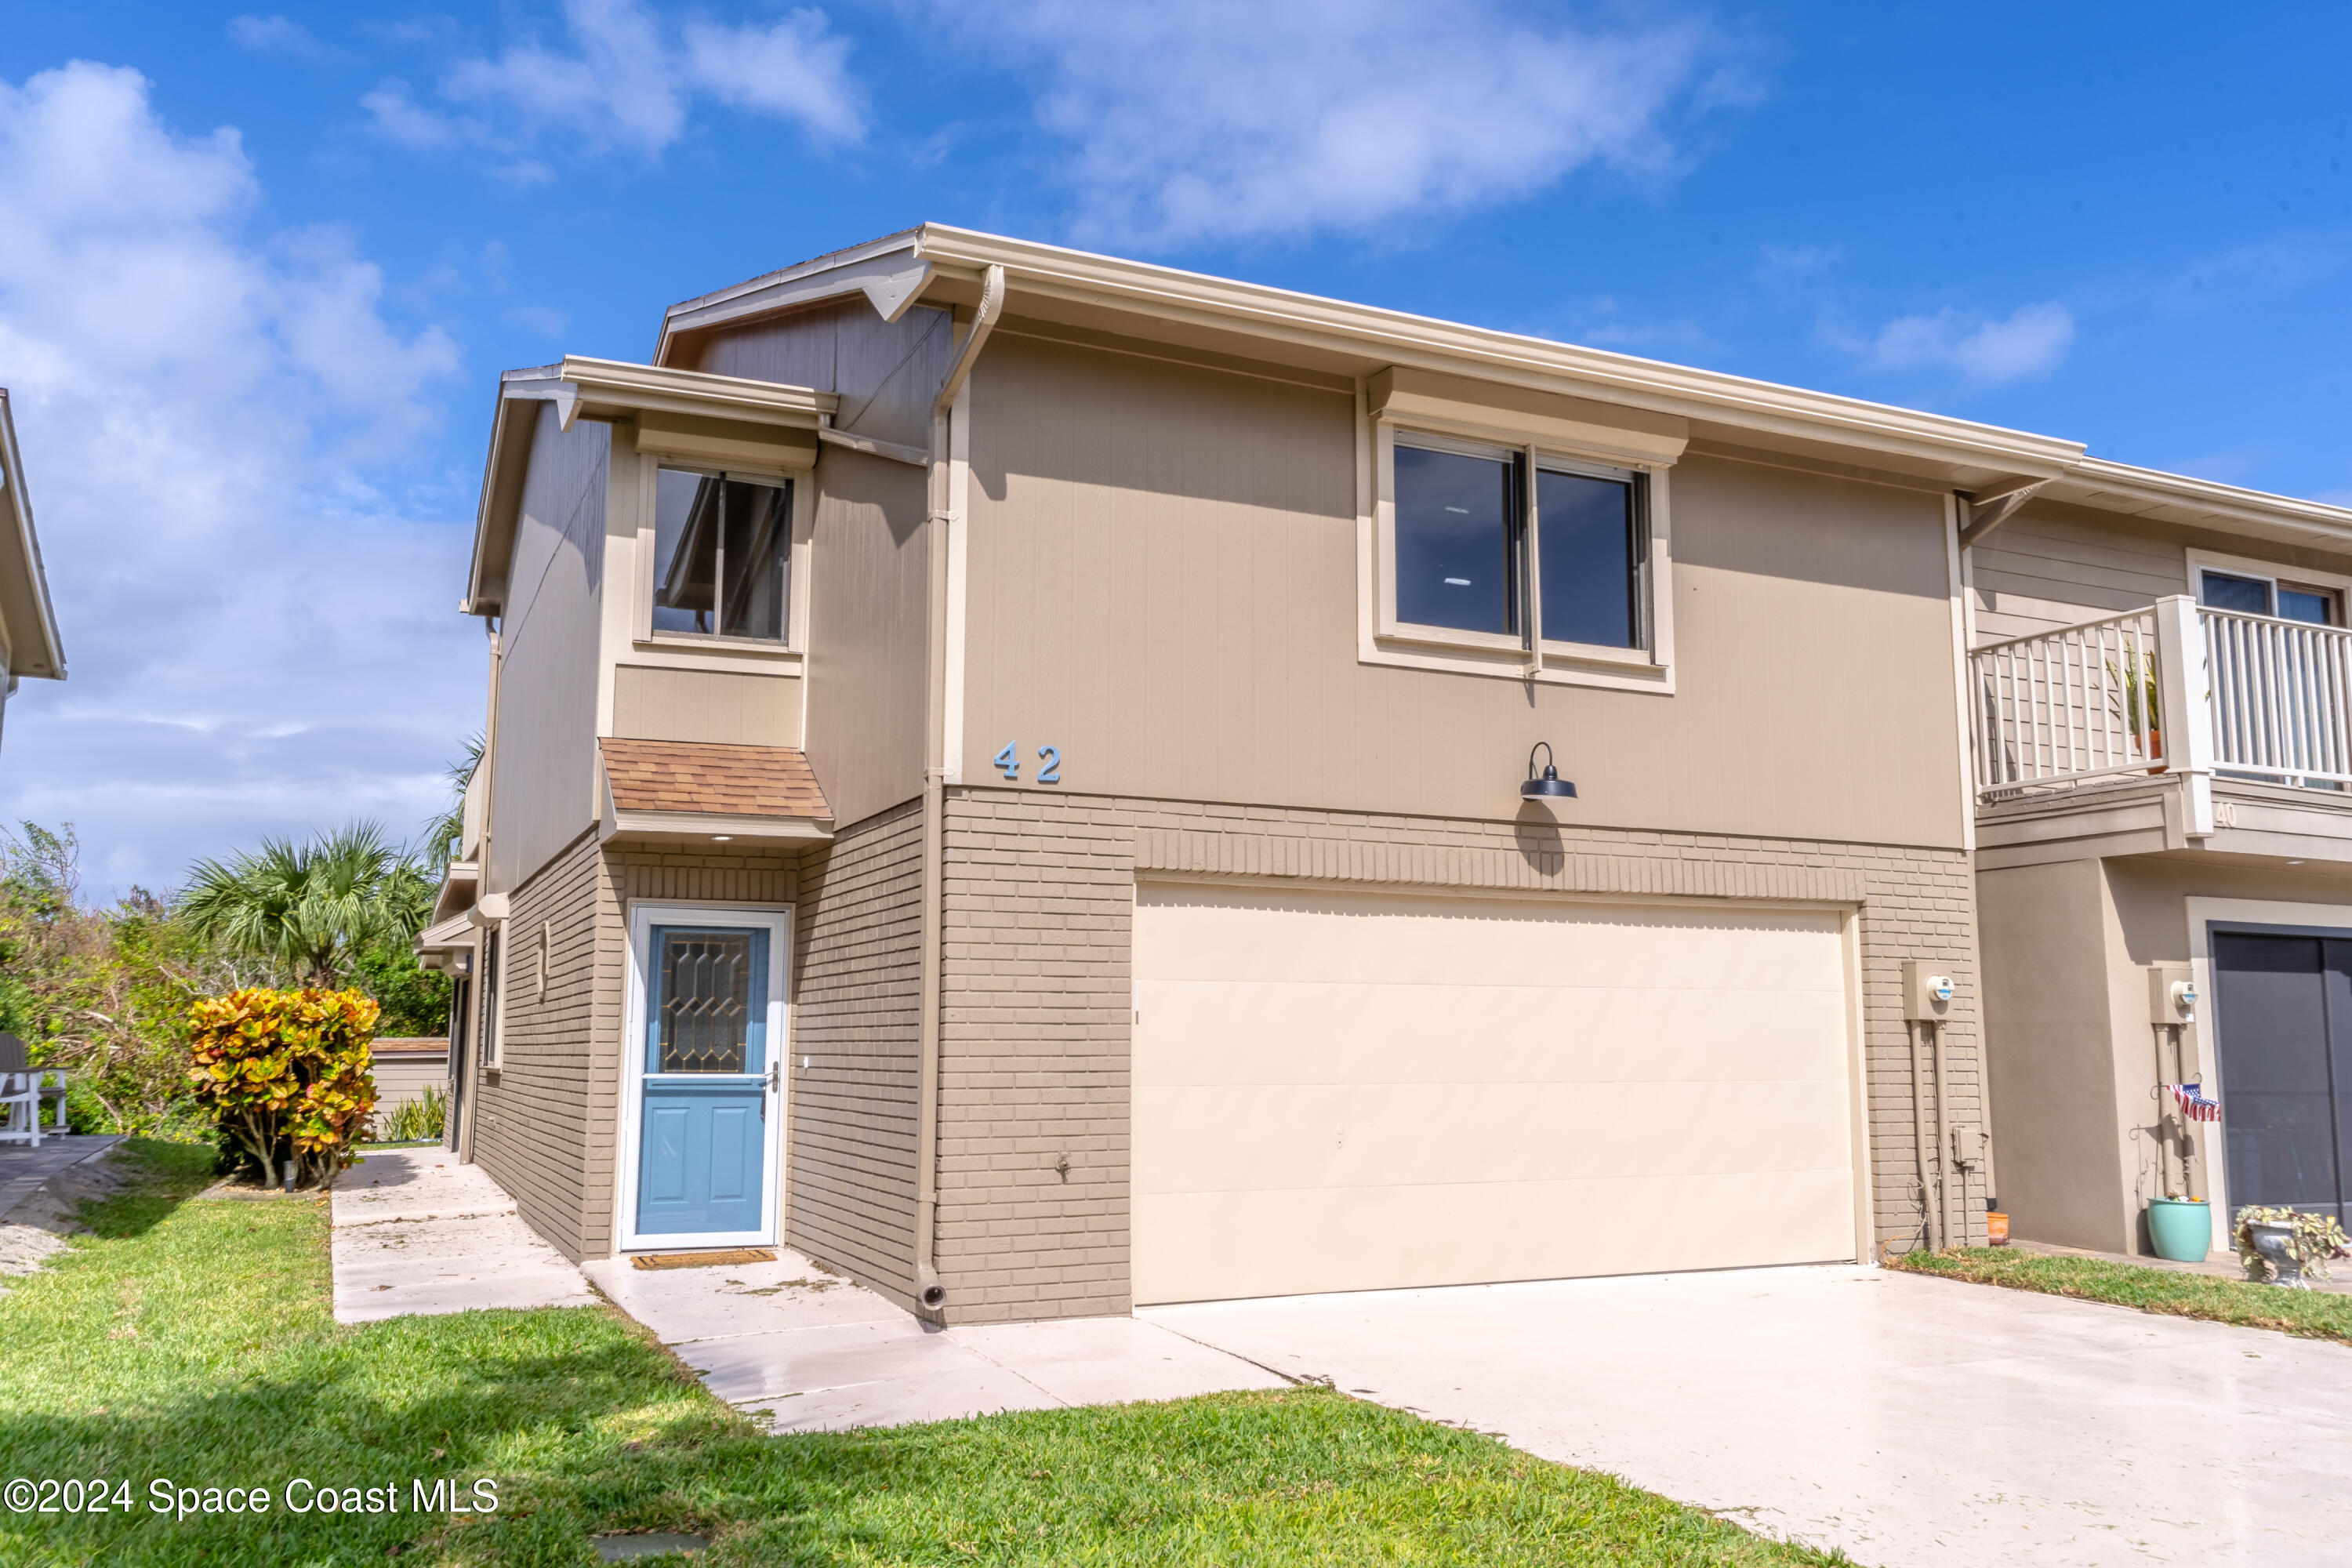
(261, 269)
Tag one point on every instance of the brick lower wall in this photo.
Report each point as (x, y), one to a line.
(850, 1189)
(1037, 999)
(538, 1128)
(549, 1128)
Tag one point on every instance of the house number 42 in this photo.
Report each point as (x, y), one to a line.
(1008, 762)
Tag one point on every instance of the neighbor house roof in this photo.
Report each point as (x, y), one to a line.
(669, 776)
(29, 624)
(937, 265)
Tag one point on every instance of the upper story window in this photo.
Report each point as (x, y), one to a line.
(722, 554)
(2253, 595)
(1478, 549)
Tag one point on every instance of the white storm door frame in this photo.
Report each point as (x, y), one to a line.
(643, 918)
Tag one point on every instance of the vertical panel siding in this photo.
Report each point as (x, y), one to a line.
(545, 770)
(868, 626)
(856, 996)
(1038, 997)
(1163, 584)
(715, 706)
(885, 372)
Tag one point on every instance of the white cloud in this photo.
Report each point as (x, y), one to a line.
(2029, 341)
(277, 35)
(623, 79)
(1231, 118)
(258, 641)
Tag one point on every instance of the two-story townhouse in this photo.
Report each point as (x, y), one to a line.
(1029, 778)
(2160, 679)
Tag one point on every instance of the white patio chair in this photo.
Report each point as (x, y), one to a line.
(23, 1087)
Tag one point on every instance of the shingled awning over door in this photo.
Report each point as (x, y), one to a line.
(672, 789)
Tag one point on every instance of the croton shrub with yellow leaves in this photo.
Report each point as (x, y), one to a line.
(287, 1074)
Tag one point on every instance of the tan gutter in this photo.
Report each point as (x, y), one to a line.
(929, 1292)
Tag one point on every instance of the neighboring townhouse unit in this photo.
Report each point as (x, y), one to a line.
(2161, 681)
(1028, 777)
(29, 648)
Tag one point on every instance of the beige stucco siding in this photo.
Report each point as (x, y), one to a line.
(868, 622)
(2073, 1059)
(1038, 1002)
(850, 1177)
(543, 777)
(721, 706)
(1163, 584)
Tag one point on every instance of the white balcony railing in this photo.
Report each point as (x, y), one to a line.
(2278, 698)
(2067, 706)
(2171, 688)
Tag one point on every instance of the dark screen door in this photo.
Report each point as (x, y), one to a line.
(2284, 1007)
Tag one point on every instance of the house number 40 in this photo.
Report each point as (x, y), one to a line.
(1049, 763)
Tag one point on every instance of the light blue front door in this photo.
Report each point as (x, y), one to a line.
(703, 1147)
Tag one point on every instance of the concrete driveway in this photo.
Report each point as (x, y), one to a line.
(1910, 1421)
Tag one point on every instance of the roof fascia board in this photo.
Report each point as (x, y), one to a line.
(888, 271)
(2223, 503)
(617, 385)
(1427, 344)
(25, 544)
(610, 389)
(698, 824)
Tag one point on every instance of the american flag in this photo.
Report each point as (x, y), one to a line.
(2190, 1097)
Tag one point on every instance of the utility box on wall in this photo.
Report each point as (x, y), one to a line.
(2173, 1002)
(1927, 991)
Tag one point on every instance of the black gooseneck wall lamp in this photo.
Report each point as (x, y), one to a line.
(1551, 785)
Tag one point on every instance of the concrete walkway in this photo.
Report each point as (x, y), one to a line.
(41, 1194)
(1916, 1423)
(416, 1232)
(815, 1352)
(24, 1169)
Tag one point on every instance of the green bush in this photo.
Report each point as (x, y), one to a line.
(287, 1074)
(417, 1120)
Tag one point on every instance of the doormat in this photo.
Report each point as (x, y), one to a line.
(703, 1259)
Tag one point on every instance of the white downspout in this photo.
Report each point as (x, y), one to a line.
(928, 1291)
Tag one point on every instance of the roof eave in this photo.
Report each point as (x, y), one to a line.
(46, 660)
(578, 386)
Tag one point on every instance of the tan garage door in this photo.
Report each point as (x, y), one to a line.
(1337, 1091)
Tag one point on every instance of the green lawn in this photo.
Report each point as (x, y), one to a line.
(2311, 1314)
(191, 1341)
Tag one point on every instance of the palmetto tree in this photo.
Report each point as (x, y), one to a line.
(311, 908)
(445, 835)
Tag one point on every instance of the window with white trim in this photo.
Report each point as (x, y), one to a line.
(722, 554)
(1499, 546)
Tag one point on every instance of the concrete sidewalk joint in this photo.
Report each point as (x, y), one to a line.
(809, 1351)
(417, 1233)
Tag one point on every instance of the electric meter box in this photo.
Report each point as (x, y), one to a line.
(1926, 990)
(2171, 994)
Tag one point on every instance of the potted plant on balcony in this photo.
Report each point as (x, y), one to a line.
(2281, 1245)
(2131, 697)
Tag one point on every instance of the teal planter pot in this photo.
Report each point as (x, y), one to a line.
(2183, 1231)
